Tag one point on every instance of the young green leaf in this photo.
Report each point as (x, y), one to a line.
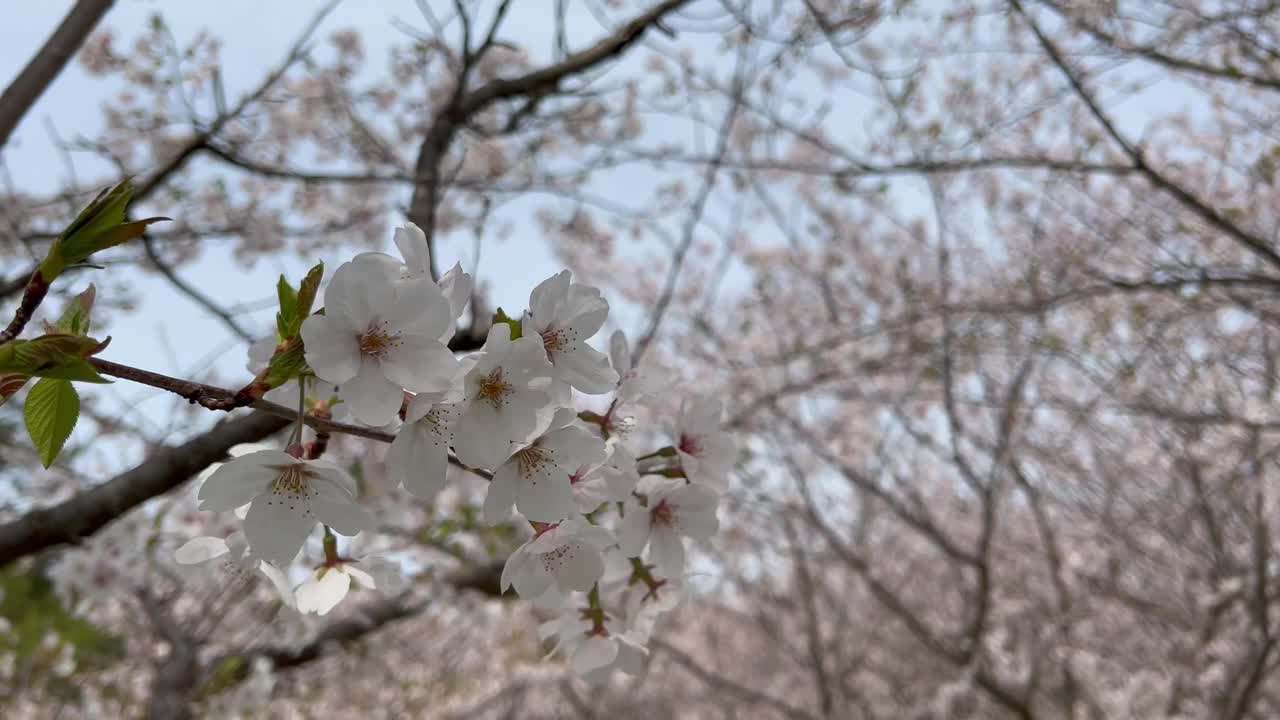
(75, 316)
(50, 414)
(288, 307)
(307, 293)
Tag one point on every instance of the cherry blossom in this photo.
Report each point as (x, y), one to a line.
(379, 337)
(537, 477)
(234, 559)
(504, 391)
(609, 481)
(329, 583)
(565, 315)
(287, 497)
(566, 557)
(634, 383)
(675, 510)
(706, 451)
(418, 458)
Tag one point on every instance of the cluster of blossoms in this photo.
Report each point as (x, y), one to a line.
(607, 551)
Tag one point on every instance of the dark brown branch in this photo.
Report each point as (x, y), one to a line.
(48, 62)
(37, 287)
(72, 520)
(465, 104)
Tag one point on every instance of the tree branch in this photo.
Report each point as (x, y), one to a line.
(72, 520)
(463, 105)
(48, 62)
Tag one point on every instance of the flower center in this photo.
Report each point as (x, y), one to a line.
(377, 340)
(663, 514)
(291, 481)
(554, 341)
(494, 389)
(690, 444)
(531, 460)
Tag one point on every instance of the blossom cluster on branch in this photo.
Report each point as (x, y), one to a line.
(379, 350)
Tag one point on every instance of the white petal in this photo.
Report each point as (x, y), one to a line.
(573, 446)
(576, 566)
(501, 495)
(548, 298)
(480, 439)
(586, 369)
(594, 652)
(322, 594)
(456, 286)
(240, 480)
(585, 310)
(418, 459)
(200, 549)
(412, 243)
(421, 364)
(277, 529)
(633, 531)
(332, 506)
(331, 348)
(544, 494)
(279, 581)
(373, 399)
(419, 308)
(359, 291)
(667, 550)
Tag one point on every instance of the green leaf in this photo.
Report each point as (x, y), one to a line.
(307, 292)
(288, 308)
(75, 316)
(50, 414)
(287, 363)
(296, 306)
(99, 226)
(48, 352)
(516, 329)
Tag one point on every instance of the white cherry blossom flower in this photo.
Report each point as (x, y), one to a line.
(379, 337)
(537, 478)
(566, 557)
(594, 652)
(675, 510)
(504, 391)
(565, 315)
(286, 498)
(418, 458)
(706, 451)
(233, 558)
(456, 285)
(330, 583)
(609, 481)
(634, 384)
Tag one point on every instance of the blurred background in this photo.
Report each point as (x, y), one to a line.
(990, 290)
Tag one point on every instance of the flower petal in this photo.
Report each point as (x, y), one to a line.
(200, 549)
(277, 529)
(420, 363)
(322, 594)
(373, 399)
(331, 348)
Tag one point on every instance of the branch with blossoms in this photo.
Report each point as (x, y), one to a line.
(375, 362)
